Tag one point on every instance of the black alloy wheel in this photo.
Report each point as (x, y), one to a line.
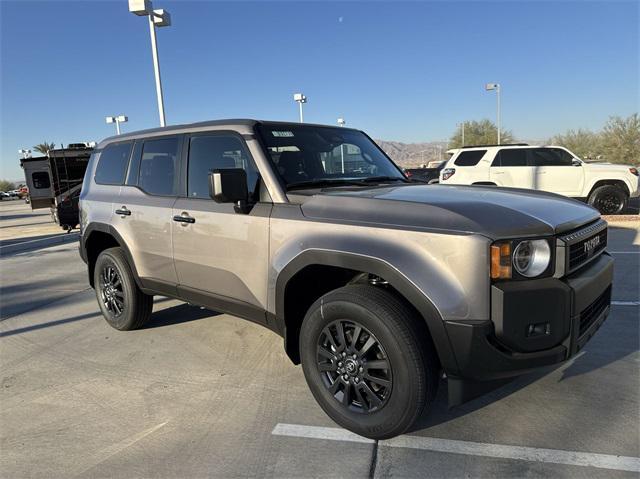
(111, 291)
(609, 204)
(609, 199)
(368, 360)
(354, 366)
(123, 304)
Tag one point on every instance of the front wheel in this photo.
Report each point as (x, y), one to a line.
(609, 199)
(368, 361)
(122, 303)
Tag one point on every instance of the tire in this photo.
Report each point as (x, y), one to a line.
(122, 303)
(404, 380)
(609, 199)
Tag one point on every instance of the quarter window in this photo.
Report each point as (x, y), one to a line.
(469, 158)
(216, 152)
(511, 157)
(158, 171)
(113, 163)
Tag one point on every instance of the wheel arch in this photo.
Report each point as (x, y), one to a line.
(349, 267)
(100, 236)
(619, 183)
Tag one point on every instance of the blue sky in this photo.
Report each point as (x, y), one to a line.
(406, 71)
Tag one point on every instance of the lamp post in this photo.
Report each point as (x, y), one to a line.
(157, 18)
(26, 153)
(117, 120)
(496, 87)
(300, 99)
(462, 125)
(341, 122)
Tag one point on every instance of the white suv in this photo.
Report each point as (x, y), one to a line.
(555, 169)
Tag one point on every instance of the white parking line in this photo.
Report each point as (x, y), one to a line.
(520, 453)
(625, 303)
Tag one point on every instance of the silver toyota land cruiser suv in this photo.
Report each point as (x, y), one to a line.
(380, 286)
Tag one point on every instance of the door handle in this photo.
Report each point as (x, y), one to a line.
(184, 218)
(123, 211)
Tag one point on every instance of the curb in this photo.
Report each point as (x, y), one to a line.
(39, 243)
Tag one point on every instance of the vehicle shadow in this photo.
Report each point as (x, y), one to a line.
(18, 217)
(633, 208)
(48, 324)
(617, 339)
(181, 313)
(440, 413)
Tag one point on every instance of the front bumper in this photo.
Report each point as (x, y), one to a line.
(568, 311)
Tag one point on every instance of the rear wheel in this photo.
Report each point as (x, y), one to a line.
(609, 199)
(368, 361)
(122, 303)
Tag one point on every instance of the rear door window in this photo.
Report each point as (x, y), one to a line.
(469, 158)
(113, 162)
(158, 174)
(511, 157)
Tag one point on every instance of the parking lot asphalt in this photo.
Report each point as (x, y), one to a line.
(200, 394)
(18, 221)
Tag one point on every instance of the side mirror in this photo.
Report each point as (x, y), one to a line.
(576, 162)
(229, 186)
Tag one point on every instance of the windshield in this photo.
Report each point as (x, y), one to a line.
(307, 156)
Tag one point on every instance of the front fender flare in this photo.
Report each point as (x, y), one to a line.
(378, 267)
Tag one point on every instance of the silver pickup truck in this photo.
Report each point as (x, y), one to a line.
(380, 287)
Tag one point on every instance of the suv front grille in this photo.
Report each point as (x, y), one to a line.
(591, 312)
(584, 245)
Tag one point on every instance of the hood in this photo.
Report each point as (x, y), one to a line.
(607, 167)
(493, 212)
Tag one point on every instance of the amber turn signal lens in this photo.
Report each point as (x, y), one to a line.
(501, 261)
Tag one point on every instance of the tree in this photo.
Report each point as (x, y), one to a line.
(7, 185)
(482, 132)
(621, 139)
(44, 148)
(584, 143)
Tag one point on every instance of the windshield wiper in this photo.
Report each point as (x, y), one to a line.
(381, 179)
(343, 181)
(325, 182)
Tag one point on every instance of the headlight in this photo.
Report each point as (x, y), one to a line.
(528, 258)
(531, 257)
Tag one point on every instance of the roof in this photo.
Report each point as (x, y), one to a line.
(494, 146)
(204, 125)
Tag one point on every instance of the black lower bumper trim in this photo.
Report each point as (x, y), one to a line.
(485, 362)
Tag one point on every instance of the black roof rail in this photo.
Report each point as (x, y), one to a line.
(504, 144)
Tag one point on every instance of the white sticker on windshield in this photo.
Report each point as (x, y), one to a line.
(282, 133)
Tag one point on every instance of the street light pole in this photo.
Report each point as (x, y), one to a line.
(300, 99)
(496, 87)
(157, 18)
(156, 70)
(341, 122)
(117, 120)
